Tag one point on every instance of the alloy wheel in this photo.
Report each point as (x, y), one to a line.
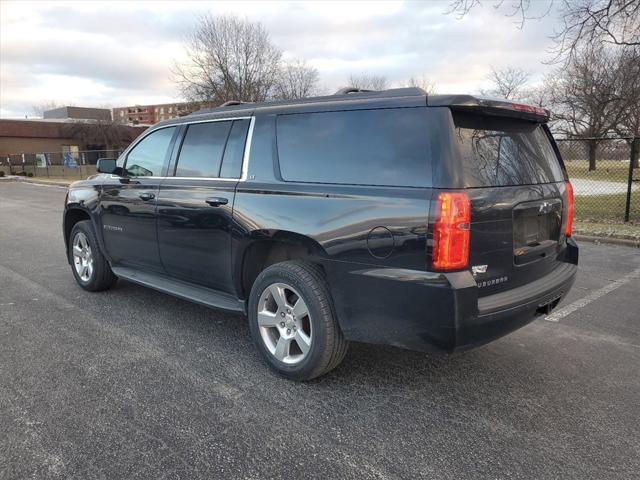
(82, 257)
(284, 323)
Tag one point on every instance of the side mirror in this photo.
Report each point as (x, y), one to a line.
(106, 165)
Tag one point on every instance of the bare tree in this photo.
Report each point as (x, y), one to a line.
(297, 80)
(509, 83)
(367, 81)
(104, 134)
(229, 58)
(583, 22)
(422, 82)
(539, 95)
(598, 21)
(40, 108)
(519, 9)
(629, 81)
(588, 96)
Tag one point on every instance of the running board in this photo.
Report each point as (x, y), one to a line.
(177, 288)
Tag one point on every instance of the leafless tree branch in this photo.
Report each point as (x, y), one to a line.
(422, 82)
(108, 134)
(508, 83)
(367, 81)
(583, 22)
(597, 94)
(229, 59)
(39, 109)
(297, 80)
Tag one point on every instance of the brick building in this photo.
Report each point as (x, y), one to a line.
(150, 114)
(56, 136)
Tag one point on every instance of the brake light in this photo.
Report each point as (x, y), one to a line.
(522, 107)
(451, 231)
(569, 224)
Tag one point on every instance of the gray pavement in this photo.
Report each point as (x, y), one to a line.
(131, 383)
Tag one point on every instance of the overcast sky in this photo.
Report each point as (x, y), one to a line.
(120, 53)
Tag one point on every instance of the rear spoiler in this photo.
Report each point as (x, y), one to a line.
(490, 106)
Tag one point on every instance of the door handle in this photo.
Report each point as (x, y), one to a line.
(147, 196)
(217, 201)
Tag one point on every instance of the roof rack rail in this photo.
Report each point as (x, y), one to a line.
(348, 90)
(343, 95)
(230, 103)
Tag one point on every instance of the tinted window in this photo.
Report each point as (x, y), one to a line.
(232, 163)
(366, 147)
(202, 149)
(147, 157)
(501, 151)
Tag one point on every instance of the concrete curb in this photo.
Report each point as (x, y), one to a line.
(622, 242)
(55, 182)
(49, 184)
(34, 181)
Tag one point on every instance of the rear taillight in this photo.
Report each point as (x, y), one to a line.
(569, 223)
(451, 231)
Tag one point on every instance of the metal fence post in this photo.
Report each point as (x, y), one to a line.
(632, 161)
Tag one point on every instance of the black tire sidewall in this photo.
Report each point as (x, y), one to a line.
(306, 368)
(86, 227)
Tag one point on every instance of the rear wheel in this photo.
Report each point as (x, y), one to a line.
(90, 269)
(293, 323)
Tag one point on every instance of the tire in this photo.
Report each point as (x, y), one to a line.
(292, 281)
(97, 275)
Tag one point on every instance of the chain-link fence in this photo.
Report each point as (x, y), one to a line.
(71, 164)
(605, 176)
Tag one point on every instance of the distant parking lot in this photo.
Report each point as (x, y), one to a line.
(583, 187)
(131, 383)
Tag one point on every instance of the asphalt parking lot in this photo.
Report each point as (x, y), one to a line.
(132, 383)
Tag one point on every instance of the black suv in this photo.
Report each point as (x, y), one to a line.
(434, 222)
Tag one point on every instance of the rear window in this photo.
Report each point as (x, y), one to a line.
(503, 151)
(361, 147)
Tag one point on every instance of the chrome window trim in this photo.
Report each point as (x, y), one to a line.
(245, 156)
(247, 151)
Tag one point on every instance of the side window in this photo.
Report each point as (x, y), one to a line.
(365, 147)
(147, 158)
(202, 149)
(233, 154)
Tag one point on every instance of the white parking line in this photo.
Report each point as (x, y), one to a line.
(584, 301)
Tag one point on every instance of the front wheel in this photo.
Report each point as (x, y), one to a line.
(292, 321)
(91, 270)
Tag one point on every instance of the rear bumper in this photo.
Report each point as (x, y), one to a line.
(439, 312)
(503, 313)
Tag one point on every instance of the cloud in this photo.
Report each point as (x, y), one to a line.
(120, 53)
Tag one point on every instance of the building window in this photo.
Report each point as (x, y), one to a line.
(161, 109)
(122, 113)
(170, 109)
